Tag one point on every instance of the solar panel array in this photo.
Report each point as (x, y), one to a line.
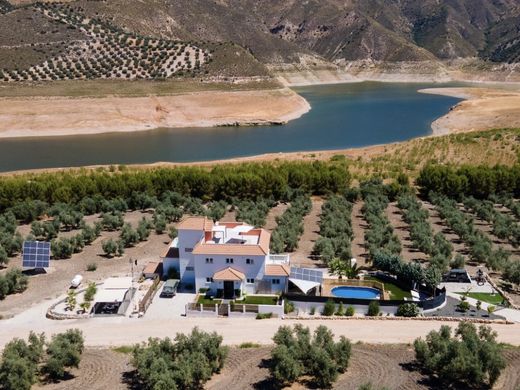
(307, 274)
(36, 254)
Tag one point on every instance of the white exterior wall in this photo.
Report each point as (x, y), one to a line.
(187, 241)
(277, 288)
(305, 308)
(205, 270)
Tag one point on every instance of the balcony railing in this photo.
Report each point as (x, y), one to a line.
(278, 259)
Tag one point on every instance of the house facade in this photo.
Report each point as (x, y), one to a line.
(228, 258)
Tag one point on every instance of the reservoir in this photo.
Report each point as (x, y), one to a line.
(342, 116)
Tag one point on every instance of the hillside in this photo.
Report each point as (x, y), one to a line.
(153, 39)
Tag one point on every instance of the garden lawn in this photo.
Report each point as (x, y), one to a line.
(396, 292)
(208, 301)
(259, 300)
(493, 299)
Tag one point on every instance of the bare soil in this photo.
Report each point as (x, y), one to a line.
(485, 108)
(21, 117)
(487, 229)
(50, 285)
(402, 230)
(99, 369)
(278, 210)
(389, 366)
(303, 255)
(359, 225)
(439, 225)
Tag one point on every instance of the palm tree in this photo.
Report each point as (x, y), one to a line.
(342, 268)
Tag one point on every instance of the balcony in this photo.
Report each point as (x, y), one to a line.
(278, 259)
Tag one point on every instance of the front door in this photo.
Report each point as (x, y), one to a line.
(229, 290)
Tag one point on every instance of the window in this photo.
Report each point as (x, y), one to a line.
(229, 261)
(251, 281)
(250, 261)
(209, 280)
(188, 250)
(275, 281)
(190, 268)
(209, 260)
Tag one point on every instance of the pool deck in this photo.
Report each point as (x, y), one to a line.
(329, 284)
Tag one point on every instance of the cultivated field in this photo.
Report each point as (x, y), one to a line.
(381, 365)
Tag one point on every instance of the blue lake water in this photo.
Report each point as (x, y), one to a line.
(342, 116)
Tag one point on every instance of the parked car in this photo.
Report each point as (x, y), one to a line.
(457, 276)
(76, 281)
(170, 288)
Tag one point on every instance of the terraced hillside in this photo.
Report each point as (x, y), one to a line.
(325, 33)
(103, 51)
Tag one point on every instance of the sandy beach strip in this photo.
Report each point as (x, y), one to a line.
(482, 109)
(37, 117)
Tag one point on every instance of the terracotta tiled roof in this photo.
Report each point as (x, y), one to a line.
(277, 270)
(196, 223)
(229, 274)
(260, 249)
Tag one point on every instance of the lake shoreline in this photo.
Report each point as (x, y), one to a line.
(63, 116)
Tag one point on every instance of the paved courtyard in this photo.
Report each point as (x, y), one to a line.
(168, 308)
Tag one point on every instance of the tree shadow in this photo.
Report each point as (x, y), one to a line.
(267, 383)
(435, 383)
(131, 380)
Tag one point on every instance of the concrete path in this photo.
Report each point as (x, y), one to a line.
(508, 314)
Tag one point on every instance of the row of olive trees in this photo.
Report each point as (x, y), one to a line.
(254, 212)
(335, 230)
(436, 246)
(380, 236)
(503, 226)
(480, 246)
(290, 225)
(24, 362)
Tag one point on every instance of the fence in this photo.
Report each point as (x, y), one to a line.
(147, 299)
(329, 284)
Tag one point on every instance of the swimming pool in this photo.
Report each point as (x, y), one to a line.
(355, 292)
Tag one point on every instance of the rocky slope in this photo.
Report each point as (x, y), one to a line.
(311, 33)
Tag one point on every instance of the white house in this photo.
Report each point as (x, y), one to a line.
(228, 258)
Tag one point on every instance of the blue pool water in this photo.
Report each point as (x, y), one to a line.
(355, 292)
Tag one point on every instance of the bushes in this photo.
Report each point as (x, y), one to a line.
(471, 357)
(290, 225)
(22, 361)
(373, 309)
(407, 310)
(13, 282)
(297, 353)
(335, 229)
(186, 363)
(329, 308)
